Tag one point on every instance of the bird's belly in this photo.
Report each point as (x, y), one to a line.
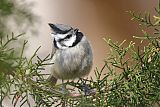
(68, 64)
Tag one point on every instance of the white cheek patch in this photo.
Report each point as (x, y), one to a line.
(60, 46)
(69, 42)
(60, 36)
(62, 42)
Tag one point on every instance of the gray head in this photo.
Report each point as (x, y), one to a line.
(65, 36)
(60, 28)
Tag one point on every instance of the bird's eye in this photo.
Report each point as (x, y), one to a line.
(68, 36)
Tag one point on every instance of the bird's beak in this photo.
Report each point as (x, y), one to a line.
(51, 25)
(52, 28)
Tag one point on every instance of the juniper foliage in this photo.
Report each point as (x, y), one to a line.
(136, 84)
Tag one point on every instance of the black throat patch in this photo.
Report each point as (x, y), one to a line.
(55, 44)
(79, 36)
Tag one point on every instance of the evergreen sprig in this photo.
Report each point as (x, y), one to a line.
(132, 78)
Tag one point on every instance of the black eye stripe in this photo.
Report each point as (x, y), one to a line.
(55, 44)
(68, 36)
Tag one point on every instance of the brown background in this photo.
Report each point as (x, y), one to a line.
(96, 18)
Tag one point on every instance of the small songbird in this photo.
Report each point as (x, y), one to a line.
(72, 55)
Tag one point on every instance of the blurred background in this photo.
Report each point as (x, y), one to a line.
(96, 18)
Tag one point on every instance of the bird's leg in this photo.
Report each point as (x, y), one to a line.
(52, 80)
(86, 89)
(63, 88)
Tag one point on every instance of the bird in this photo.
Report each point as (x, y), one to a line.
(71, 53)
